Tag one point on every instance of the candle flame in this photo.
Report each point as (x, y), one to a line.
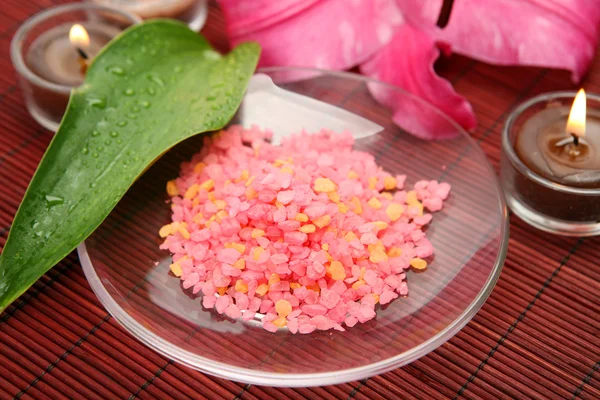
(576, 121)
(78, 36)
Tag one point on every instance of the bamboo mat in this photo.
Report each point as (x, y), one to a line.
(538, 335)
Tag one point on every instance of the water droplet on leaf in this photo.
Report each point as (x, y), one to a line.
(116, 70)
(52, 201)
(129, 92)
(95, 133)
(121, 124)
(114, 133)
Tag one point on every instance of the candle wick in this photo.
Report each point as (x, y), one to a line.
(444, 16)
(82, 53)
(575, 139)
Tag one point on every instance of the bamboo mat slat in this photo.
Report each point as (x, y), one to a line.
(538, 335)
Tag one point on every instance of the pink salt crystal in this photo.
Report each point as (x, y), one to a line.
(315, 210)
(339, 287)
(191, 280)
(241, 300)
(279, 258)
(363, 290)
(400, 180)
(229, 270)
(311, 297)
(266, 306)
(370, 277)
(417, 235)
(442, 191)
(293, 325)
(280, 286)
(269, 326)
(263, 242)
(289, 225)
(368, 238)
(267, 195)
(285, 196)
(365, 314)
(351, 321)
(295, 238)
(201, 235)
(423, 220)
(222, 303)
(306, 328)
(329, 298)
(433, 204)
(294, 314)
(248, 315)
(421, 185)
(258, 211)
(233, 312)
(402, 289)
(314, 309)
(274, 296)
(315, 270)
(301, 292)
(209, 301)
(228, 256)
(255, 304)
(386, 297)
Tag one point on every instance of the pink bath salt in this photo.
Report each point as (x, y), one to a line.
(228, 256)
(293, 325)
(289, 226)
(314, 309)
(266, 306)
(351, 321)
(315, 210)
(365, 314)
(368, 238)
(423, 220)
(329, 298)
(285, 196)
(442, 191)
(370, 277)
(273, 233)
(241, 300)
(222, 303)
(417, 235)
(402, 289)
(221, 280)
(233, 312)
(248, 315)
(191, 280)
(269, 326)
(433, 204)
(338, 287)
(421, 185)
(322, 322)
(279, 258)
(424, 251)
(311, 298)
(315, 270)
(200, 235)
(368, 301)
(282, 269)
(279, 215)
(400, 181)
(230, 226)
(258, 211)
(386, 297)
(295, 238)
(301, 292)
(281, 286)
(263, 242)
(229, 270)
(255, 304)
(209, 301)
(267, 195)
(338, 313)
(275, 296)
(306, 328)
(294, 314)
(363, 290)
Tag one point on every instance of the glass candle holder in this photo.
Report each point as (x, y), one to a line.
(48, 65)
(565, 203)
(191, 12)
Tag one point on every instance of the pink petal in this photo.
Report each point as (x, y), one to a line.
(407, 62)
(334, 34)
(547, 33)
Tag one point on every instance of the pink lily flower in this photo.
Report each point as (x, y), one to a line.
(398, 41)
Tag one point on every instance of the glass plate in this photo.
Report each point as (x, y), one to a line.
(129, 273)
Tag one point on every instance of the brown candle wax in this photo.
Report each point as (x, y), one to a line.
(53, 58)
(538, 146)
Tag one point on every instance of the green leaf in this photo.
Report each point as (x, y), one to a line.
(155, 85)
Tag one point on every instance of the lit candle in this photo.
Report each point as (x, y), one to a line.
(57, 54)
(553, 144)
(551, 163)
